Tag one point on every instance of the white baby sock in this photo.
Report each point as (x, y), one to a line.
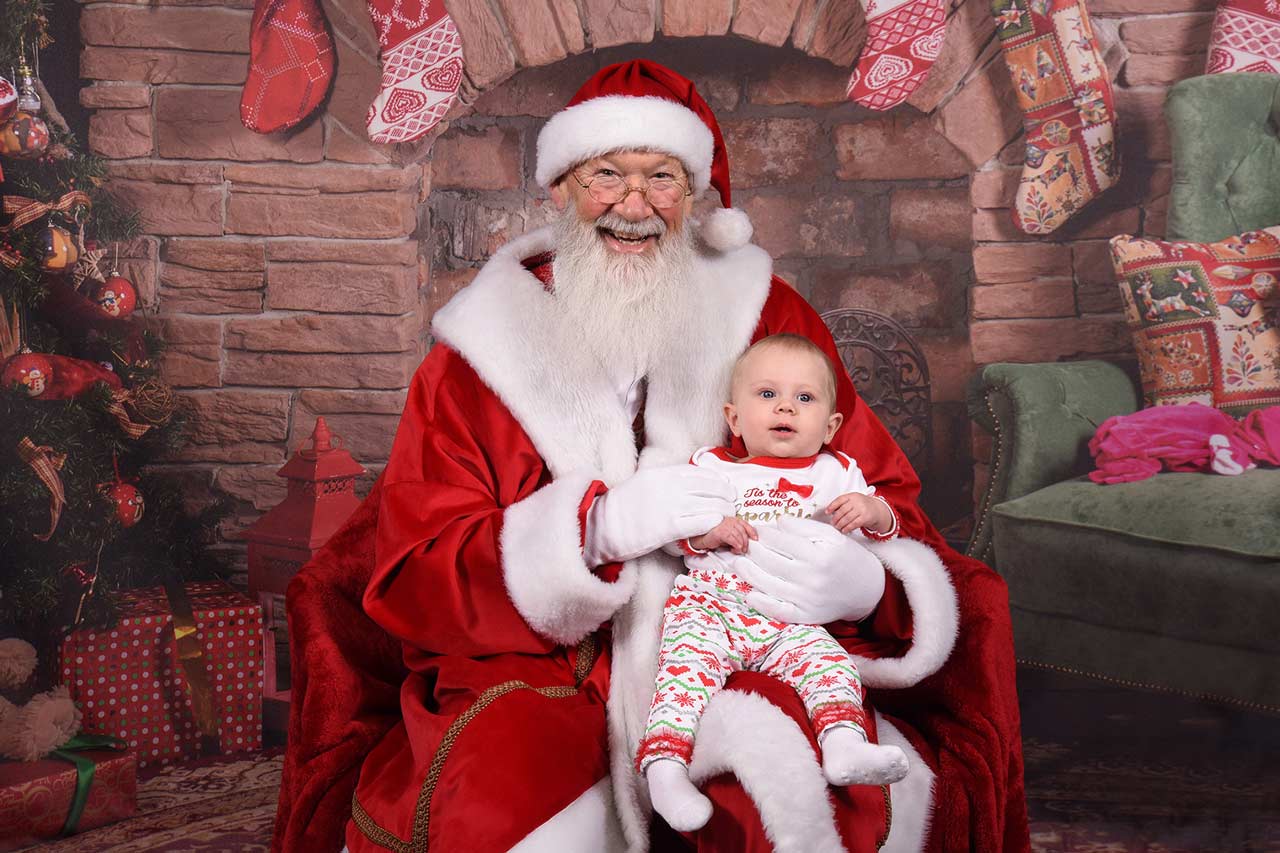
(848, 759)
(674, 797)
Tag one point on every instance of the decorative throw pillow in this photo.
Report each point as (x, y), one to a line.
(1204, 318)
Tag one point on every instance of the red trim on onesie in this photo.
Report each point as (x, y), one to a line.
(842, 458)
(689, 550)
(891, 533)
(723, 454)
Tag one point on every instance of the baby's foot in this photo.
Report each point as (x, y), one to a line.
(847, 759)
(674, 797)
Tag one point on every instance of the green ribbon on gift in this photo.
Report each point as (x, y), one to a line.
(84, 771)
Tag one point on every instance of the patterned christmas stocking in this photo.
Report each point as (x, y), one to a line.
(1064, 92)
(1246, 37)
(904, 37)
(290, 64)
(421, 68)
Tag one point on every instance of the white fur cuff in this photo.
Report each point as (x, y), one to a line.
(935, 615)
(547, 579)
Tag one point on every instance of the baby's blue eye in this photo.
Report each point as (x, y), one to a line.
(805, 398)
(767, 394)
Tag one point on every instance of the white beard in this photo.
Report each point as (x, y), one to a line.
(615, 309)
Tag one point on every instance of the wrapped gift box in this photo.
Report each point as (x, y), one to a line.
(128, 682)
(35, 796)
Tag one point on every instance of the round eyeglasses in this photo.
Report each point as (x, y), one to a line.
(608, 187)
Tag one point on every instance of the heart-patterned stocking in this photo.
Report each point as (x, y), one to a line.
(904, 37)
(421, 68)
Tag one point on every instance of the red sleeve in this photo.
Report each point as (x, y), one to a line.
(459, 459)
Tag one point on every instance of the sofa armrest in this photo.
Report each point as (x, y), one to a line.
(1042, 417)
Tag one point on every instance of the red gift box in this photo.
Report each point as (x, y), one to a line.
(35, 796)
(128, 682)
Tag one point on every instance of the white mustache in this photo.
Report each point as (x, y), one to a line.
(653, 226)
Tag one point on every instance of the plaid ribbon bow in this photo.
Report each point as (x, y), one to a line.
(27, 210)
(46, 462)
(116, 409)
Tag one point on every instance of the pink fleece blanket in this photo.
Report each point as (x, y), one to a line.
(1186, 437)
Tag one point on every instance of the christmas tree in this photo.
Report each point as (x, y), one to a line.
(82, 410)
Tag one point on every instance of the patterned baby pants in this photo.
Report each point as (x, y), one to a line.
(708, 632)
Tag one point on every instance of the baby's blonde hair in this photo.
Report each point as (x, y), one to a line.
(794, 343)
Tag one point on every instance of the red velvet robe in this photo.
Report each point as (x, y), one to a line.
(490, 726)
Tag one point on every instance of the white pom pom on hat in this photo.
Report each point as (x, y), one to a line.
(645, 106)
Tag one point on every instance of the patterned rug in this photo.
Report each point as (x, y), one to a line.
(1107, 771)
(222, 806)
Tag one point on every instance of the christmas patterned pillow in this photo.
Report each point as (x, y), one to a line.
(1204, 318)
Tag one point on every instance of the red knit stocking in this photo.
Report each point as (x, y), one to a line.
(421, 68)
(1246, 37)
(1068, 107)
(904, 37)
(290, 64)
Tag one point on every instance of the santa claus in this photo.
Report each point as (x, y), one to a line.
(474, 653)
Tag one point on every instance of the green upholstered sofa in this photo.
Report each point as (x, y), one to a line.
(1173, 582)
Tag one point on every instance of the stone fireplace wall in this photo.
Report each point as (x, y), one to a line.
(295, 274)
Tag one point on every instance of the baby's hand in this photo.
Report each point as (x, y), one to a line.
(852, 511)
(733, 533)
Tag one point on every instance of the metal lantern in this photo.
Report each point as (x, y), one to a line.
(320, 498)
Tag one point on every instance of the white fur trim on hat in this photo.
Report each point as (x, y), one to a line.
(726, 229)
(621, 122)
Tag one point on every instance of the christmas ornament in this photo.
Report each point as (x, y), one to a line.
(116, 297)
(124, 497)
(154, 402)
(904, 38)
(290, 64)
(28, 99)
(1246, 37)
(46, 463)
(25, 136)
(128, 502)
(421, 70)
(8, 100)
(54, 377)
(88, 267)
(1064, 91)
(28, 373)
(60, 249)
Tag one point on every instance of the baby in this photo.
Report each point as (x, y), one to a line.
(783, 398)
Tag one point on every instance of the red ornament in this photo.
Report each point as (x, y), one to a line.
(8, 100)
(116, 297)
(54, 377)
(128, 502)
(30, 372)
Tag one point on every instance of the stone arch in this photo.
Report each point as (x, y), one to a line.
(859, 209)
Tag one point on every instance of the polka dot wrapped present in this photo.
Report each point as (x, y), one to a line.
(129, 682)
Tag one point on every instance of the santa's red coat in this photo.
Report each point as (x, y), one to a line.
(483, 686)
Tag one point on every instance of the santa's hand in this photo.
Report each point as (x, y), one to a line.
(653, 507)
(805, 571)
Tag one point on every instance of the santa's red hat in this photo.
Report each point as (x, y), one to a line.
(643, 105)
